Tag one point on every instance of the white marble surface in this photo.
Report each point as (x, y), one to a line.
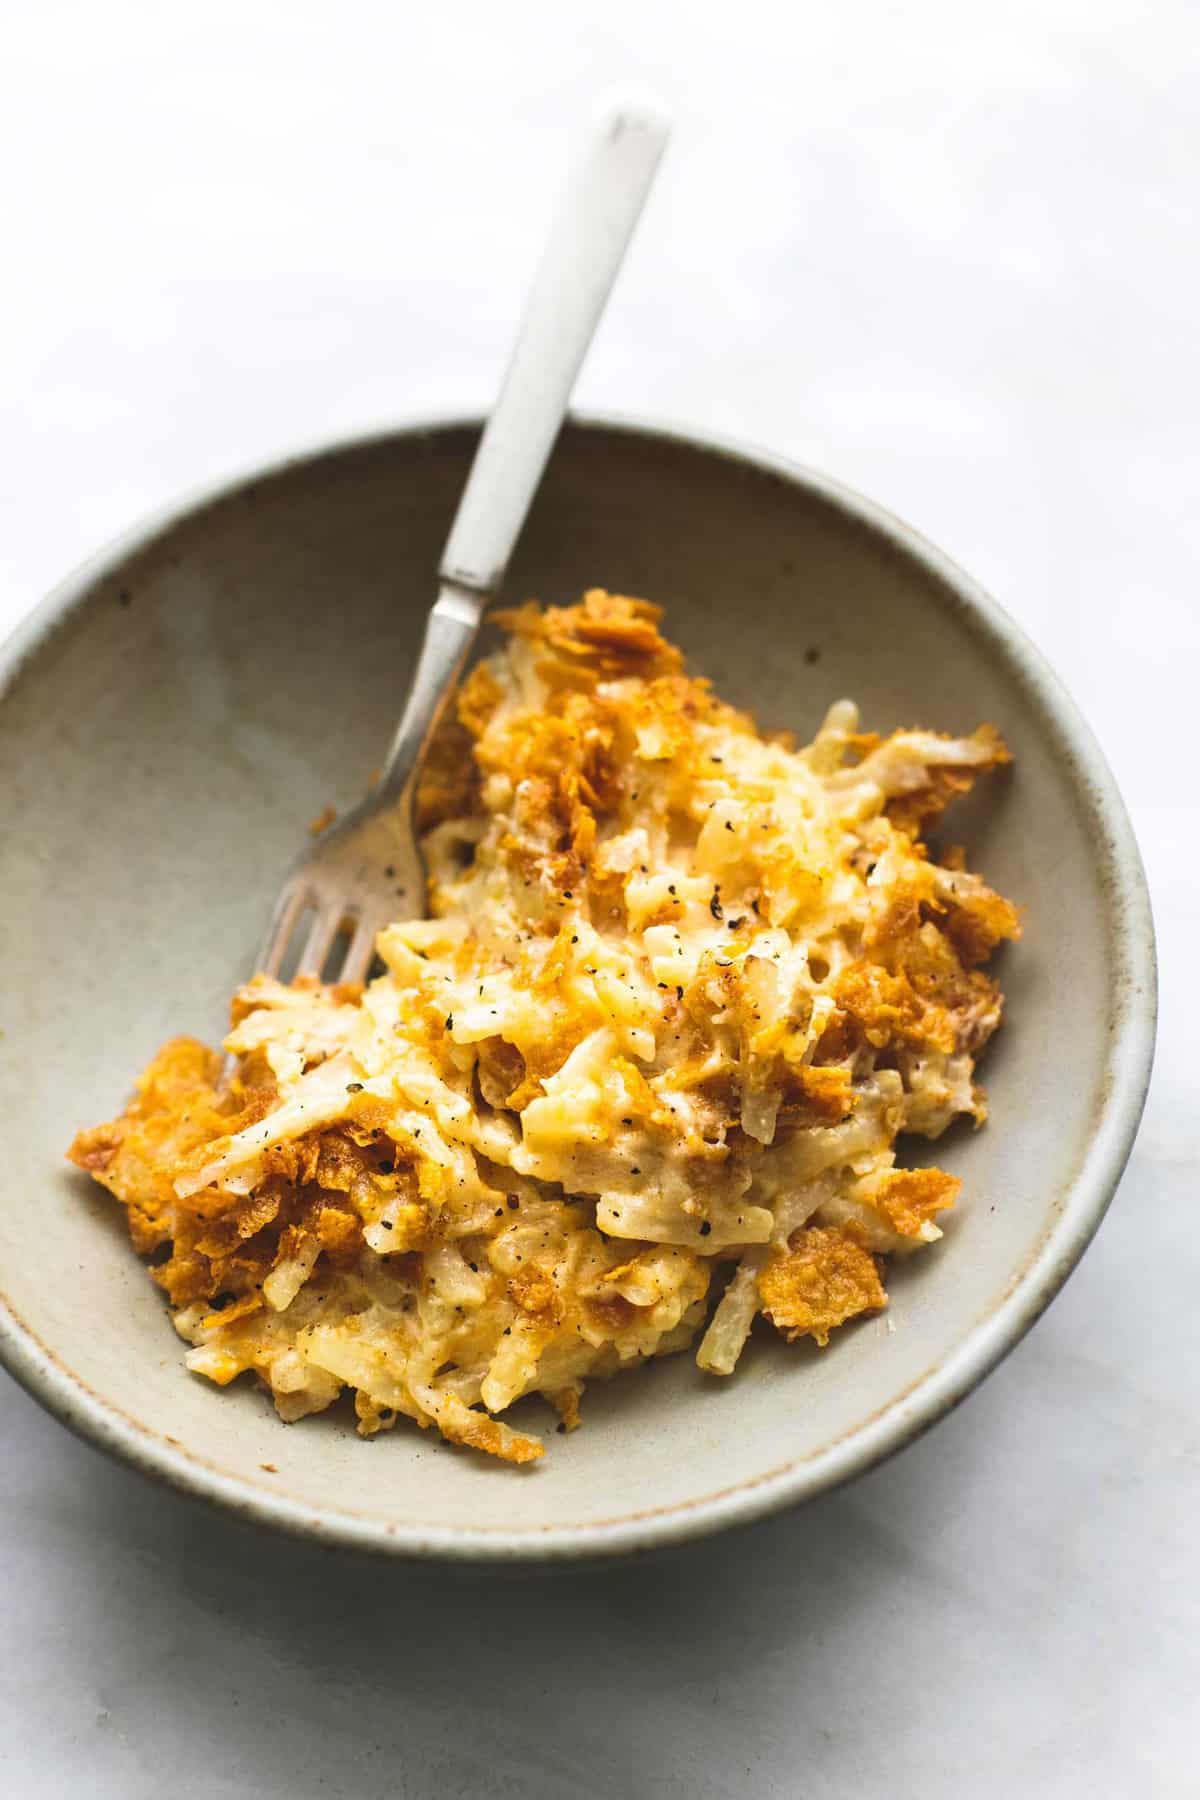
(948, 252)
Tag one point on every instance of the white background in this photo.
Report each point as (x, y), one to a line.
(947, 251)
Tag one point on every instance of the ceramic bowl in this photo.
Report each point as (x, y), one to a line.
(175, 715)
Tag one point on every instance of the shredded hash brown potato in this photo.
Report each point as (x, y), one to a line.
(681, 988)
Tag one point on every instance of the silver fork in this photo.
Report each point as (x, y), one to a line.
(366, 870)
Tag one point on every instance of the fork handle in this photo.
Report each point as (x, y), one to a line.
(450, 632)
(577, 271)
(586, 248)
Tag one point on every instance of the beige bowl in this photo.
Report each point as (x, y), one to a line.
(180, 709)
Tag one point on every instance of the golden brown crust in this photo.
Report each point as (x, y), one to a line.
(533, 1290)
(915, 811)
(819, 1096)
(909, 1198)
(818, 1283)
(888, 1009)
(605, 637)
(476, 1431)
(978, 922)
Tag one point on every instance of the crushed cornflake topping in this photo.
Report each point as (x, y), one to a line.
(680, 989)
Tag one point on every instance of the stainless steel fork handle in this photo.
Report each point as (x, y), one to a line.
(449, 634)
(586, 248)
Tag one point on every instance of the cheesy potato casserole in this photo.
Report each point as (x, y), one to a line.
(636, 1079)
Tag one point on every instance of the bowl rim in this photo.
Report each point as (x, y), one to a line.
(1085, 1199)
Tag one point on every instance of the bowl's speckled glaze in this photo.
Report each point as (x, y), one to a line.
(179, 710)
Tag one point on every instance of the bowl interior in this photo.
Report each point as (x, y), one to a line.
(220, 680)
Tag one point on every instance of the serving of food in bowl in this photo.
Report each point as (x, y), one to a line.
(680, 990)
(705, 970)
